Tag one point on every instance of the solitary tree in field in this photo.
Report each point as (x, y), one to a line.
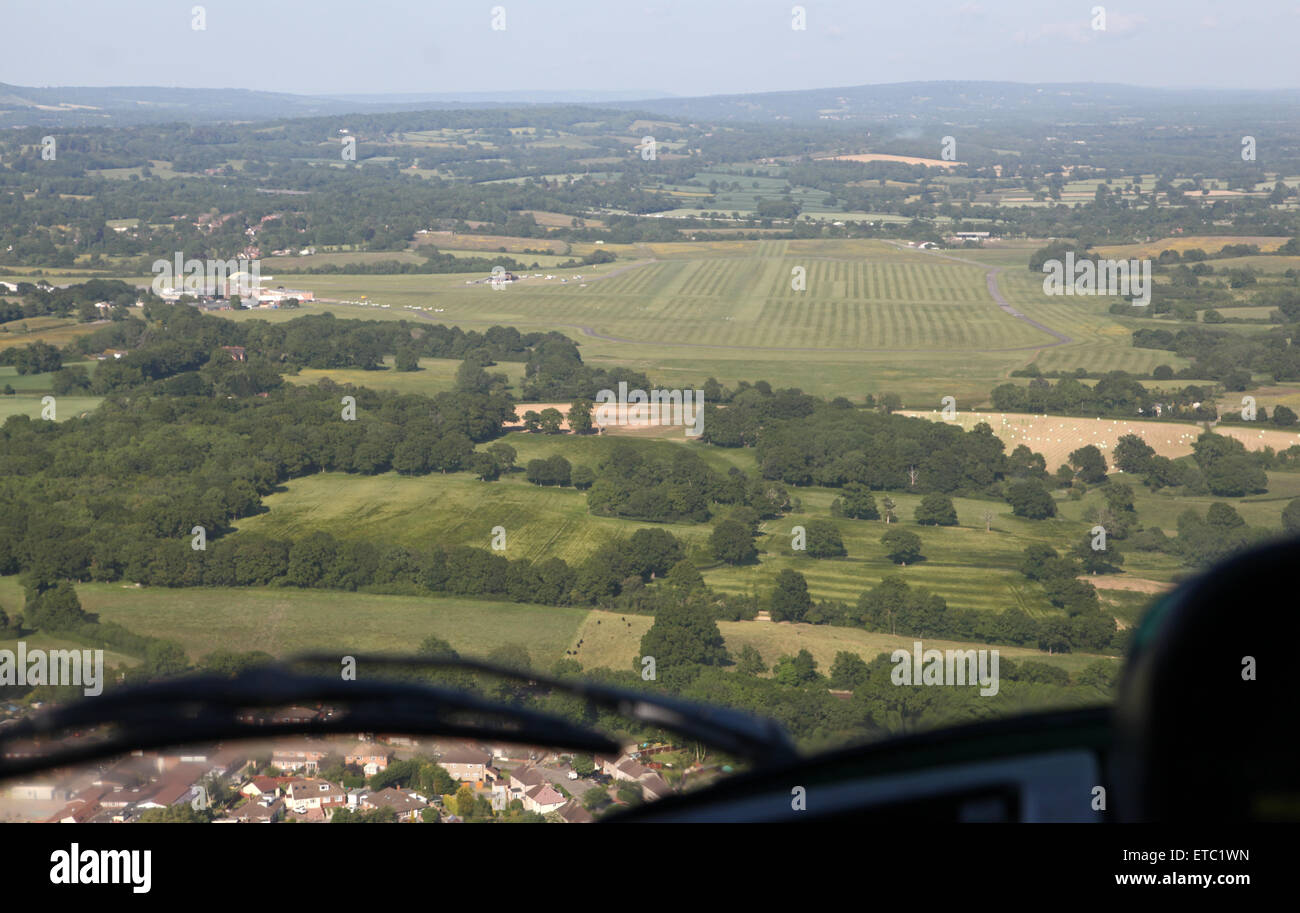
(888, 504)
(901, 547)
(987, 516)
(936, 510)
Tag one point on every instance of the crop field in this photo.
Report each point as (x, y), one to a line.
(57, 331)
(1056, 436)
(612, 641)
(904, 159)
(1208, 243)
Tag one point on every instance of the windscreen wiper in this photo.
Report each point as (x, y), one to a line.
(208, 708)
(757, 739)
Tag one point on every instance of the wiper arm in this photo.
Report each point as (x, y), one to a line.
(194, 709)
(757, 739)
(197, 709)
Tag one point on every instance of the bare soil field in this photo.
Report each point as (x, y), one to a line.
(1132, 584)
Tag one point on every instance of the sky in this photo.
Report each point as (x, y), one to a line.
(664, 47)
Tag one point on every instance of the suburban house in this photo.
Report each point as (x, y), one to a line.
(297, 759)
(574, 813)
(543, 799)
(307, 793)
(260, 786)
(468, 765)
(267, 811)
(369, 758)
(172, 791)
(406, 805)
(523, 779)
(630, 770)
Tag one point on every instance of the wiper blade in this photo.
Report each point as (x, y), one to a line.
(194, 709)
(757, 739)
(197, 709)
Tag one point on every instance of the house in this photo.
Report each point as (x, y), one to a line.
(543, 799)
(172, 791)
(654, 787)
(260, 786)
(370, 759)
(523, 779)
(307, 793)
(629, 770)
(295, 715)
(573, 813)
(468, 765)
(407, 806)
(264, 812)
(235, 352)
(297, 759)
(77, 811)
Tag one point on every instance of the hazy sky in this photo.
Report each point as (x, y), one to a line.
(680, 47)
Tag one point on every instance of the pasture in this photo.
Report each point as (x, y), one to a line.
(284, 621)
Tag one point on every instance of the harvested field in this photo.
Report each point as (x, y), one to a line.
(904, 159)
(1055, 436)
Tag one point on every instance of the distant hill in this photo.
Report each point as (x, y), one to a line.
(903, 103)
(83, 106)
(1003, 101)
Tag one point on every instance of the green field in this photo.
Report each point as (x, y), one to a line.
(436, 375)
(613, 642)
(286, 621)
(874, 317)
(65, 407)
(969, 566)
